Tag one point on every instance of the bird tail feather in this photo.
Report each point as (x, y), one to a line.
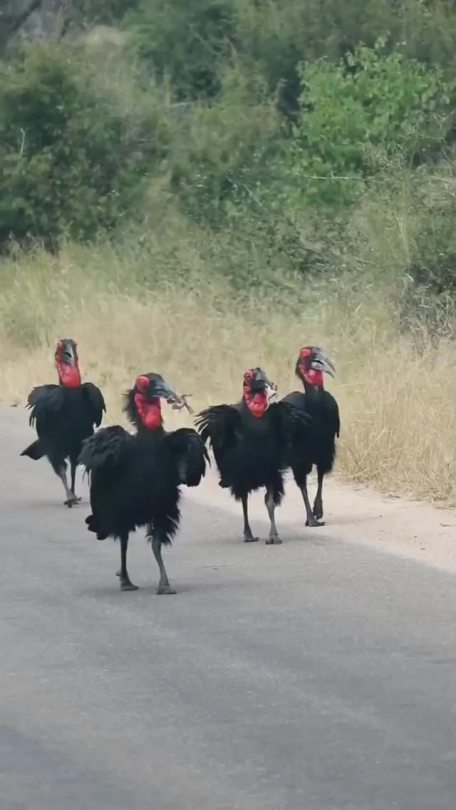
(34, 450)
(93, 527)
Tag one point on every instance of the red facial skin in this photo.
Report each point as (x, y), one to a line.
(149, 410)
(310, 375)
(257, 403)
(313, 376)
(69, 375)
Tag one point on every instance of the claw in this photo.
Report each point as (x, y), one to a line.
(127, 585)
(165, 589)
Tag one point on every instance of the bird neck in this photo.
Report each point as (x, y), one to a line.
(149, 413)
(69, 375)
(257, 404)
(313, 392)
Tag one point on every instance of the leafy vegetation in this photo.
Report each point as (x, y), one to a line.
(250, 168)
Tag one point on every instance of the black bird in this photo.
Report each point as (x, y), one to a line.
(319, 447)
(135, 479)
(250, 441)
(64, 415)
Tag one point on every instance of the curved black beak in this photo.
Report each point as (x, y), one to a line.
(261, 383)
(162, 389)
(321, 362)
(69, 353)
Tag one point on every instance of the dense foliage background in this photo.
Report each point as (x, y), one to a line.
(319, 132)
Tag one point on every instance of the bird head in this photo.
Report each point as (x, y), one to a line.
(311, 364)
(257, 391)
(67, 363)
(143, 405)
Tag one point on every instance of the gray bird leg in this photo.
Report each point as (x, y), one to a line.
(248, 536)
(311, 519)
(163, 585)
(270, 506)
(62, 473)
(73, 464)
(125, 582)
(318, 503)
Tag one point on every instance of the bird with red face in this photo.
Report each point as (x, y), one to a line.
(64, 415)
(250, 440)
(135, 478)
(319, 447)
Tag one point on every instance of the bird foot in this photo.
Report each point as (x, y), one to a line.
(314, 522)
(273, 540)
(126, 584)
(249, 538)
(71, 501)
(164, 588)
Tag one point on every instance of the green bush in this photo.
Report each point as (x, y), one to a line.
(71, 160)
(183, 42)
(358, 113)
(225, 154)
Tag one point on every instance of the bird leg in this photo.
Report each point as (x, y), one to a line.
(318, 502)
(270, 506)
(248, 536)
(311, 519)
(73, 464)
(163, 585)
(62, 473)
(125, 582)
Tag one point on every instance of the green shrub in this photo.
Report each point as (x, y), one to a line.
(183, 42)
(224, 154)
(358, 113)
(276, 37)
(71, 161)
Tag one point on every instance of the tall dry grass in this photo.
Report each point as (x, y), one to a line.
(397, 404)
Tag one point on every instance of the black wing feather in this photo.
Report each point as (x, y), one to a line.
(95, 400)
(219, 425)
(292, 423)
(45, 402)
(106, 451)
(191, 455)
(335, 417)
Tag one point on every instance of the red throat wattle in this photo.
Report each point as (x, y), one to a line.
(149, 411)
(69, 375)
(256, 403)
(313, 377)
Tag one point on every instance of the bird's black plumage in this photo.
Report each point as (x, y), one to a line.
(63, 417)
(250, 450)
(319, 447)
(135, 480)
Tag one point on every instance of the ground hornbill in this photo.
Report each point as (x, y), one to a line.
(250, 440)
(135, 479)
(64, 415)
(319, 446)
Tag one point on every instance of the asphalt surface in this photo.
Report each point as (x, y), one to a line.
(312, 676)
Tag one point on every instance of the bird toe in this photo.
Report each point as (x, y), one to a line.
(165, 589)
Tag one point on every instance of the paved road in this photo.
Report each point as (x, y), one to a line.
(313, 676)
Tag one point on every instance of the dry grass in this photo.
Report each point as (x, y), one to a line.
(397, 405)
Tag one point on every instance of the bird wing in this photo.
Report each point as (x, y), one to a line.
(190, 453)
(96, 402)
(332, 414)
(107, 451)
(291, 423)
(45, 403)
(296, 398)
(219, 425)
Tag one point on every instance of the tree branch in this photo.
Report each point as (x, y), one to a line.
(12, 23)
